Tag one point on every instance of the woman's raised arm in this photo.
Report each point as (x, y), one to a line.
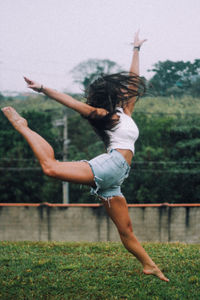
(134, 69)
(83, 108)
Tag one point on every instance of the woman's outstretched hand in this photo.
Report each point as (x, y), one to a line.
(37, 87)
(137, 42)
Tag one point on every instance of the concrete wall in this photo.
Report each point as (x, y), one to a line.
(164, 223)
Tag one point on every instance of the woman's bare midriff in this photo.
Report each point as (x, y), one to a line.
(127, 154)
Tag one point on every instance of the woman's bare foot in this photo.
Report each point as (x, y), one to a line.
(15, 119)
(154, 270)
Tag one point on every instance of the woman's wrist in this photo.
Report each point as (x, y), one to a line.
(137, 48)
(41, 89)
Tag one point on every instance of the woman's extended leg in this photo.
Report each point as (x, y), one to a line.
(118, 212)
(77, 172)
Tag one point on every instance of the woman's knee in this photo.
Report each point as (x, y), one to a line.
(126, 230)
(49, 167)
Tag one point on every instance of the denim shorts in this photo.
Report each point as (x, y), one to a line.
(110, 170)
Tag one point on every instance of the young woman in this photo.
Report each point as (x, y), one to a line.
(110, 103)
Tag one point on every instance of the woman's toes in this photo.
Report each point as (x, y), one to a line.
(156, 272)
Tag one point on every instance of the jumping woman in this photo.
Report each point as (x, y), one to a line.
(110, 104)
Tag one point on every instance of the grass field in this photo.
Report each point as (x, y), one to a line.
(47, 270)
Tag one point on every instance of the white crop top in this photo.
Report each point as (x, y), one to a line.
(125, 134)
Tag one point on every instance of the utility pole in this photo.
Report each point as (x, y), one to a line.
(65, 148)
(57, 123)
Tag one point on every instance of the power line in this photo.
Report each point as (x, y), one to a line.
(20, 169)
(16, 159)
(181, 171)
(138, 171)
(135, 162)
(167, 162)
(168, 171)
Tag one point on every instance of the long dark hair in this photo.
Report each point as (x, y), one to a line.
(110, 91)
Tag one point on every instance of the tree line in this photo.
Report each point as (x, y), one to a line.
(169, 78)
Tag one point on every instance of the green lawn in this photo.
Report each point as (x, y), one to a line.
(47, 270)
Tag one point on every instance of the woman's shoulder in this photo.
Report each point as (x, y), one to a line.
(124, 110)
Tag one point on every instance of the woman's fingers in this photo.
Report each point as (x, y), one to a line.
(137, 34)
(32, 84)
(27, 80)
(137, 42)
(141, 42)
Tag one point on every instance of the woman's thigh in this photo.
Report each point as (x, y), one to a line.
(76, 172)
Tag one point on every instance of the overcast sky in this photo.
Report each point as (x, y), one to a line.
(45, 39)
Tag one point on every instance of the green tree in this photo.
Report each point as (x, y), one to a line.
(87, 71)
(174, 78)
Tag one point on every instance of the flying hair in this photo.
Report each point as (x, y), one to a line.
(111, 91)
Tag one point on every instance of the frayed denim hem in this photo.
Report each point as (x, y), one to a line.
(107, 199)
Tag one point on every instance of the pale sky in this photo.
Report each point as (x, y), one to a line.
(45, 39)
